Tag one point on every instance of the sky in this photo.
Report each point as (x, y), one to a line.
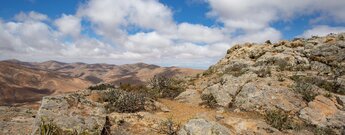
(184, 33)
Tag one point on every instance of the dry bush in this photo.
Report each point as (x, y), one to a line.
(169, 127)
(209, 100)
(163, 87)
(123, 101)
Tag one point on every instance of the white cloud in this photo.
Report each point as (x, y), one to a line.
(145, 31)
(113, 17)
(322, 30)
(69, 25)
(200, 33)
(259, 14)
(31, 16)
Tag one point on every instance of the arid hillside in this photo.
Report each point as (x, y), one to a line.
(107, 73)
(25, 82)
(20, 84)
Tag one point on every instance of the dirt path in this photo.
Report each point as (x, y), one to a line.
(182, 112)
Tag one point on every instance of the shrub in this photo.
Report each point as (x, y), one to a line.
(279, 120)
(237, 69)
(264, 72)
(123, 101)
(331, 86)
(169, 127)
(163, 87)
(49, 129)
(209, 100)
(306, 90)
(323, 131)
(280, 78)
(101, 87)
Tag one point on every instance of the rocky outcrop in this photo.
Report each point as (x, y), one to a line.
(203, 127)
(72, 113)
(291, 76)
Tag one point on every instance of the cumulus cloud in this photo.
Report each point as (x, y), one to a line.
(69, 25)
(259, 14)
(145, 31)
(322, 30)
(35, 16)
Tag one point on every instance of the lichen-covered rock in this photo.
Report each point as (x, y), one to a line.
(72, 113)
(323, 112)
(258, 96)
(203, 127)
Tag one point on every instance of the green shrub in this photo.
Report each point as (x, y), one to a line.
(123, 101)
(305, 89)
(209, 100)
(101, 87)
(169, 127)
(163, 87)
(279, 120)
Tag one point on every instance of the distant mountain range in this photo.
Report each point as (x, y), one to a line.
(22, 82)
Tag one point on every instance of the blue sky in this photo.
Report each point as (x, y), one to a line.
(186, 33)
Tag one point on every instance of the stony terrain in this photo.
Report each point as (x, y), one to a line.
(289, 87)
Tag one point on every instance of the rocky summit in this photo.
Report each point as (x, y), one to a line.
(288, 87)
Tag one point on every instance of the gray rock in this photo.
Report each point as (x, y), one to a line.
(258, 96)
(203, 127)
(190, 96)
(72, 113)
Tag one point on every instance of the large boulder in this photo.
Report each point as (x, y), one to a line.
(71, 113)
(203, 127)
(260, 96)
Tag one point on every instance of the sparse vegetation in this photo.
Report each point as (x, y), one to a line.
(331, 86)
(236, 70)
(123, 101)
(280, 78)
(264, 72)
(279, 119)
(101, 87)
(209, 100)
(306, 90)
(323, 131)
(163, 87)
(49, 129)
(169, 127)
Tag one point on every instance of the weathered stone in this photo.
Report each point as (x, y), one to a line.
(323, 112)
(190, 96)
(203, 127)
(249, 126)
(258, 96)
(72, 113)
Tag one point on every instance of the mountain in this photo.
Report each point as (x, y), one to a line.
(138, 73)
(22, 82)
(19, 84)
